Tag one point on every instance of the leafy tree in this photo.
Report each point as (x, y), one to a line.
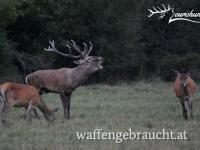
(133, 45)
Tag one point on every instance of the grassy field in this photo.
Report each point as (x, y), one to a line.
(139, 106)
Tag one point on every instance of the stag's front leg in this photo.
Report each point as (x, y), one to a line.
(63, 98)
(184, 109)
(68, 99)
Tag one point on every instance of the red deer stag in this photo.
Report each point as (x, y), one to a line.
(184, 88)
(20, 95)
(65, 80)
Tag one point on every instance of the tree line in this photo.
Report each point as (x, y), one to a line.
(133, 45)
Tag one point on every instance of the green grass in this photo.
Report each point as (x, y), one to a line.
(140, 106)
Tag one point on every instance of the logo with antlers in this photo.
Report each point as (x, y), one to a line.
(174, 16)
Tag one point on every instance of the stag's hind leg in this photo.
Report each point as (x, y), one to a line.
(190, 107)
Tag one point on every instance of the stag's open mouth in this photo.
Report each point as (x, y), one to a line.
(100, 65)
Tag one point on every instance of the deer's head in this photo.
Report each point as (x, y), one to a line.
(161, 12)
(183, 78)
(93, 63)
(50, 116)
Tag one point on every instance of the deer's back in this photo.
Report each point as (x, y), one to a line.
(20, 93)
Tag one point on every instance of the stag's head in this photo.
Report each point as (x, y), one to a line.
(161, 12)
(93, 63)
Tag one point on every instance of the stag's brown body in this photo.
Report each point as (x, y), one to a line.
(20, 95)
(184, 88)
(65, 80)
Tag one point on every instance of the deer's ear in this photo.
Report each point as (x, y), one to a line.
(188, 74)
(176, 72)
(77, 62)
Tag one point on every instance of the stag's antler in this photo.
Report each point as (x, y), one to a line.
(90, 49)
(86, 51)
(52, 48)
(71, 44)
(158, 10)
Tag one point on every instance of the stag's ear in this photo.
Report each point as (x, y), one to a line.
(77, 62)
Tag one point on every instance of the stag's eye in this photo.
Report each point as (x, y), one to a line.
(87, 59)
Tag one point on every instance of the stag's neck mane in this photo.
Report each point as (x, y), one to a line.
(79, 75)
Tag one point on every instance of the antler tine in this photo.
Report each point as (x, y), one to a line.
(150, 10)
(154, 12)
(168, 7)
(69, 47)
(155, 9)
(91, 47)
(85, 48)
(158, 10)
(76, 47)
(164, 7)
(151, 13)
(52, 48)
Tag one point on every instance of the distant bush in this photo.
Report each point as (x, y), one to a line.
(133, 45)
(187, 63)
